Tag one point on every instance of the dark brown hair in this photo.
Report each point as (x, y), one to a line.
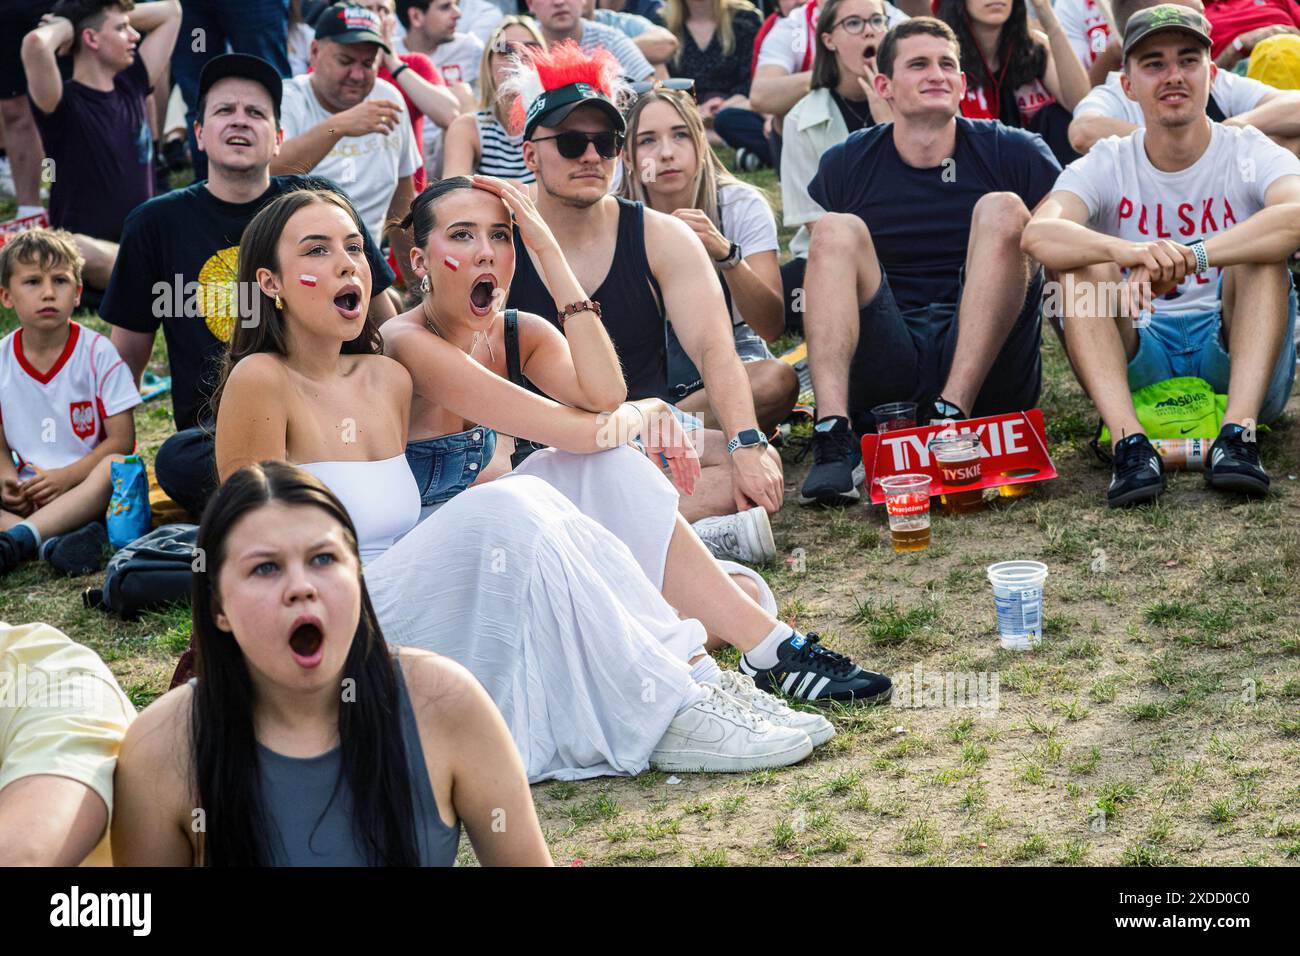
(915, 27)
(826, 69)
(88, 14)
(373, 762)
(262, 330)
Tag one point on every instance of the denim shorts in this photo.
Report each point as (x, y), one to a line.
(448, 464)
(1176, 345)
(684, 378)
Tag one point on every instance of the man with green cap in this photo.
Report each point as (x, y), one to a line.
(1172, 243)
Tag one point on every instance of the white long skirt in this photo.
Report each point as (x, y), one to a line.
(553, 613)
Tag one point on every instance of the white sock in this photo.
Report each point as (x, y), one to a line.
(25, 211)
(706, 670)
(764, 655)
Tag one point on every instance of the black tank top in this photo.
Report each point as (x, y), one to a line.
(631, 304)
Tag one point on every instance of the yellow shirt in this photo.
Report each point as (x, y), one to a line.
(61, 713)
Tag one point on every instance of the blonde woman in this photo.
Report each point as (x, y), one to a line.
(672, 170)
(715, 49)
(481, 142)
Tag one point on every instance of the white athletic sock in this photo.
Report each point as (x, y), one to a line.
(764, 655)
(25, 211)
(706, 670)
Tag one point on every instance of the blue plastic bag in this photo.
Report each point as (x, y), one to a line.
(128, 510)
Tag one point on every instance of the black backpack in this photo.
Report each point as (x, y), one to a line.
(153, 571)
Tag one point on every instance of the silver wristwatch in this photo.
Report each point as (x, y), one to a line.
(734, 255)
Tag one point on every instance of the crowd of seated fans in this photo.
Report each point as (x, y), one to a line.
(506, 244)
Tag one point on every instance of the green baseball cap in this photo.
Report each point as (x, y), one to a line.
(552, 106)
(1166, 16)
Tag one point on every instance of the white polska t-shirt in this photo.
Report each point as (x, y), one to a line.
(54, 419)
(747, 221)
(1128, 197)
(789, 39)
(1085, 26)
(1234, 94)
(368, 167)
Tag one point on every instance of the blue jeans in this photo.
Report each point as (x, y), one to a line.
(258, 27)
(743, 129)
(448, 464)
(1179, 345)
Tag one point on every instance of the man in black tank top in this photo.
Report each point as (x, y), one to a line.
(645, 269)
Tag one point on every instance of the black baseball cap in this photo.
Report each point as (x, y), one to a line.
(347, 24)
(552, 106)
(246, 66)
(1166, 16)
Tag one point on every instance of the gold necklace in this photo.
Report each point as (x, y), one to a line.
(433, 327)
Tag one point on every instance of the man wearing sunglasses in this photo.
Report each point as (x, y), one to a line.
(647, 269)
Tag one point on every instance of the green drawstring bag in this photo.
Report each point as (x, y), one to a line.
(1175, 408)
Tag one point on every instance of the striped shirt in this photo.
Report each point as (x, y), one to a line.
(499, 153)
(635, 65)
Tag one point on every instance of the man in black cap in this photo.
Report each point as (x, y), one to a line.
(344, 123)
(1172, 245)
(178, 262)
(646, 269)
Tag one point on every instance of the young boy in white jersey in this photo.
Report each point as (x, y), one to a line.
(1197, 219)
(66, 400)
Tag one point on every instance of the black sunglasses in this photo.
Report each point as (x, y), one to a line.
(572, 144)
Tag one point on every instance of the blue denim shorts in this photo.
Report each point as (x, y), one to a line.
(1174, 346)
(447, 465)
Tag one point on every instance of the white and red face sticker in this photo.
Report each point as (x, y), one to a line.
(450, 263)
(309, 281)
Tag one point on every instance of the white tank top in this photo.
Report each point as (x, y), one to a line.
(380, 496)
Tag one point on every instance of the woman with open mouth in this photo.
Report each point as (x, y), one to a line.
(843, 100)
(306, 740)
(584, 657)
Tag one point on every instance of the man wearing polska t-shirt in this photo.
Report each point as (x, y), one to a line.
(1202, 217)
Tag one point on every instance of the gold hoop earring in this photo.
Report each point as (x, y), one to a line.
(278, 303)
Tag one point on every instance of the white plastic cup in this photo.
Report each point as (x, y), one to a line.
(1018, 593)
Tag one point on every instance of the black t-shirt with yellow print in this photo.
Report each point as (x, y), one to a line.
(177, 267)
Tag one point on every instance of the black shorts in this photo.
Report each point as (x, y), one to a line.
(17, 19)
(904, 356)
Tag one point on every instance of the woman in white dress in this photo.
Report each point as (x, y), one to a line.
(581, 653)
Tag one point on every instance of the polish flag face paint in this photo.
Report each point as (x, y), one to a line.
(307, 280)
(450, 263)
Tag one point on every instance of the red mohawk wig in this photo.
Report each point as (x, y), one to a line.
(562, 65)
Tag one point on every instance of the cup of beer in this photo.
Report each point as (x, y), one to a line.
(1018, 594)
(893, 416)
(958, 457)
(907, 502)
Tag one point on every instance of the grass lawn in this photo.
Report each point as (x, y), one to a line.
(1159, 723)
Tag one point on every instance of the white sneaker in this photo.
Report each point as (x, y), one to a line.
(774, 709)
(745, 536)
(721, 735)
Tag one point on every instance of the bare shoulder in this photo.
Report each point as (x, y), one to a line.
(443, 692)
(261, 370)
(464, 123)
(384, 372)
(667, 236)
(535, 329)
(158, 740)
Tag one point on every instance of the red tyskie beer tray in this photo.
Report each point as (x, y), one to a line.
(1014, 452)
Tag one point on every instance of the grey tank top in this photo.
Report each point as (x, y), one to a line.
(317, 831)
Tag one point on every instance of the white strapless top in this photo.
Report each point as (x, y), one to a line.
(380, 496)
